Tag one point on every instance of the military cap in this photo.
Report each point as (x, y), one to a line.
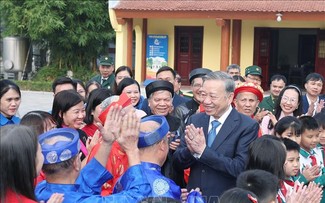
(253, 70)
(106, 61)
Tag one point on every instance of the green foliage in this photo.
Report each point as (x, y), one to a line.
(75, 31)
(50, 73)
(45, 86)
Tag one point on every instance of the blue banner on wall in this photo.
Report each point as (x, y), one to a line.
(157, 53)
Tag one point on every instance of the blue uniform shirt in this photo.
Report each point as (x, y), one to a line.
(160, 185)
(88, 186)
(5, 121)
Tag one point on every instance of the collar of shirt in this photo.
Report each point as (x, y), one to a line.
(222, 119)
(306, 154)
(315, 103)
(309, 101)
(4, 120)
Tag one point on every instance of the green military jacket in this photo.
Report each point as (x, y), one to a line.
(267, 104)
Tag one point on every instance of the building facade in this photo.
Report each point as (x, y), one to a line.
(285, 37)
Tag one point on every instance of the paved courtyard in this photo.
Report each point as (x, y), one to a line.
(33, 100)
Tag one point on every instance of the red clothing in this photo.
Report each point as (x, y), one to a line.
(90, 129)
(40, 178)
(117, 164)
(12, 197)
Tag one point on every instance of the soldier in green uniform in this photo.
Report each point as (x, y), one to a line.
(106, 68)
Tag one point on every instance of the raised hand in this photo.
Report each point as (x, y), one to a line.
(311, 172)
(302, 193)
(320, 106)
(260, 114)
(112, 126)
(195, 139)
(129, 134)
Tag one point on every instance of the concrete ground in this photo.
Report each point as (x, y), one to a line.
(34, 100)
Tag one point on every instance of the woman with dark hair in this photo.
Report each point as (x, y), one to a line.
(10, 98)
(121, 73)
(21, 161)
(68, 111)
(287, 104)
(39, 121)
(93, 109)
(132, 88)
(90, 86)
(81, 89)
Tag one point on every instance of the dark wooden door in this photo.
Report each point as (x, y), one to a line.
(320, 54)
(188, 50)
(262, 47)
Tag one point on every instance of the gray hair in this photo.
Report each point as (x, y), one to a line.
(222, 76)
(233, 66)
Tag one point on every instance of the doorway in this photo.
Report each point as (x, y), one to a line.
(286, 51)
(188, 50)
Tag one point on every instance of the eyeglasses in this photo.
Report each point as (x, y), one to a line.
(291, 100)
(254, 79)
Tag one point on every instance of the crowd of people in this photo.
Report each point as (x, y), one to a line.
(227, 142)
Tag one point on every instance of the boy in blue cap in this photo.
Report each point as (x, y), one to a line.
(62, 165)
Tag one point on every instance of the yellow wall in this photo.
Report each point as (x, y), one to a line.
(211, 39)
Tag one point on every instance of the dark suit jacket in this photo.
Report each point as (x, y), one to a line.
(218, 167)
(305, 104)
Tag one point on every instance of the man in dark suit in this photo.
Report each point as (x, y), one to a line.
(312, 101)
(215, 154)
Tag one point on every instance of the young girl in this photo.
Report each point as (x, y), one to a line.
(10, 98)
(288, 127)
(288, 104)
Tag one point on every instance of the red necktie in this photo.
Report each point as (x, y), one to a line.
(313, 160)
